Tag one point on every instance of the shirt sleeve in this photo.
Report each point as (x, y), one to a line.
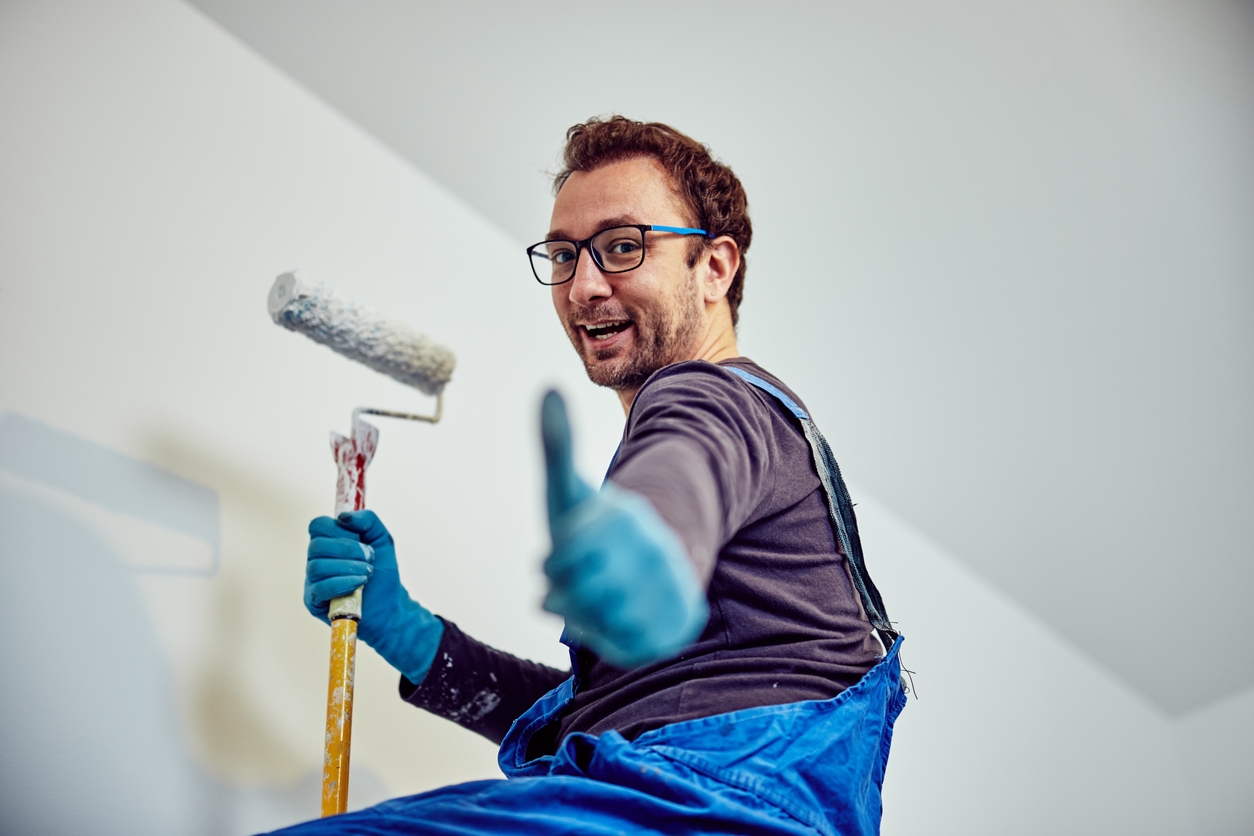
(697, 448)
(479, 687)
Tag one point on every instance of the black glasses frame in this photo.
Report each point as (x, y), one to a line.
(534, 252)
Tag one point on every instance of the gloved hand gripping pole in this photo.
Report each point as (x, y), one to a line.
(399, 352)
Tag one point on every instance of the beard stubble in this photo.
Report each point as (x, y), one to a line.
(666, 333)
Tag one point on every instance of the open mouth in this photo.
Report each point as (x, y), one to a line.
(605, 330)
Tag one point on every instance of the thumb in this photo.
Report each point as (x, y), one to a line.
(565, 488)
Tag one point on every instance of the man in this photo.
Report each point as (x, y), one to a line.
(726, 670)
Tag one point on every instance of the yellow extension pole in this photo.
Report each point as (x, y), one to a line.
(339, 733)
(352, 456)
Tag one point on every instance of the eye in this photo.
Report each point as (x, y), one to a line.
(623, 246)
(561, 255)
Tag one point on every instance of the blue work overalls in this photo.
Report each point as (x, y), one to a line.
(800, 768)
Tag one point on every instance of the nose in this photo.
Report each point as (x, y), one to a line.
(589, 284)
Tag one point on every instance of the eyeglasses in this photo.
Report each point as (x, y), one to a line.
(615, 250)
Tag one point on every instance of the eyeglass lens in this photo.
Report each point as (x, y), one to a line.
(616, 250)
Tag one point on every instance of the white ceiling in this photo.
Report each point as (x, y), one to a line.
(1006, 252)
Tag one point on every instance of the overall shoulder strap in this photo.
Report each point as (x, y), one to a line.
(839, 506)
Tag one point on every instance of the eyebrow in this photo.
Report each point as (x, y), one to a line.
(619, 220)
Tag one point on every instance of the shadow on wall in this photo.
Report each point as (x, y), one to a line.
(231, 716)
(92, 740)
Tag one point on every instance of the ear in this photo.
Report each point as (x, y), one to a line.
(718, 264)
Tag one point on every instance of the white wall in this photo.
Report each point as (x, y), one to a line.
(1217, 746)
(156, 176)
(1012, 730)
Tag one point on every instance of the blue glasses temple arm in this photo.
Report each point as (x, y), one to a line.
(681, 231)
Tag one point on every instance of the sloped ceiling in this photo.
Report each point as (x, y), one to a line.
(1006, 252)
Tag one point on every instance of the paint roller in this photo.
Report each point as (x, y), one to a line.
(391, 348)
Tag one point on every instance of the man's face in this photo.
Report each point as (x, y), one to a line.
(655, 312)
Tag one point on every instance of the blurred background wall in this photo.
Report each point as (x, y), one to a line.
(1003, 251)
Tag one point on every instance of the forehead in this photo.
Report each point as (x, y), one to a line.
(636, 190)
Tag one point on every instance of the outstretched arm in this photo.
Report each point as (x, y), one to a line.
(618, 572)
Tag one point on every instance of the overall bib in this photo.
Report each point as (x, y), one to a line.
(800, 768)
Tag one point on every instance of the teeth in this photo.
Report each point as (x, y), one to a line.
(593, 329)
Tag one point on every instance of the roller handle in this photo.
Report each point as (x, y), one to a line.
(352, 456)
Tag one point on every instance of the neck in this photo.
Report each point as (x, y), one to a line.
(716, 345)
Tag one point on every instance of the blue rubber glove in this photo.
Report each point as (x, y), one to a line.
(618, 573)
(356, 549)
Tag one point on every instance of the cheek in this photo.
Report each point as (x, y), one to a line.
(561, 300)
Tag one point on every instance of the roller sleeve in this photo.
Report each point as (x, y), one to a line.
(359, 333)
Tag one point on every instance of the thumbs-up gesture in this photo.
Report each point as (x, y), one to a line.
(618, 572)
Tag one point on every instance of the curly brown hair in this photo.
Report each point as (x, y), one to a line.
(710, 190)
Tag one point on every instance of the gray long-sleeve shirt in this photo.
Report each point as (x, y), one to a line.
(730, 470)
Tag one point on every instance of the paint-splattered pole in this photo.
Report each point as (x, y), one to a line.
(352, 457)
